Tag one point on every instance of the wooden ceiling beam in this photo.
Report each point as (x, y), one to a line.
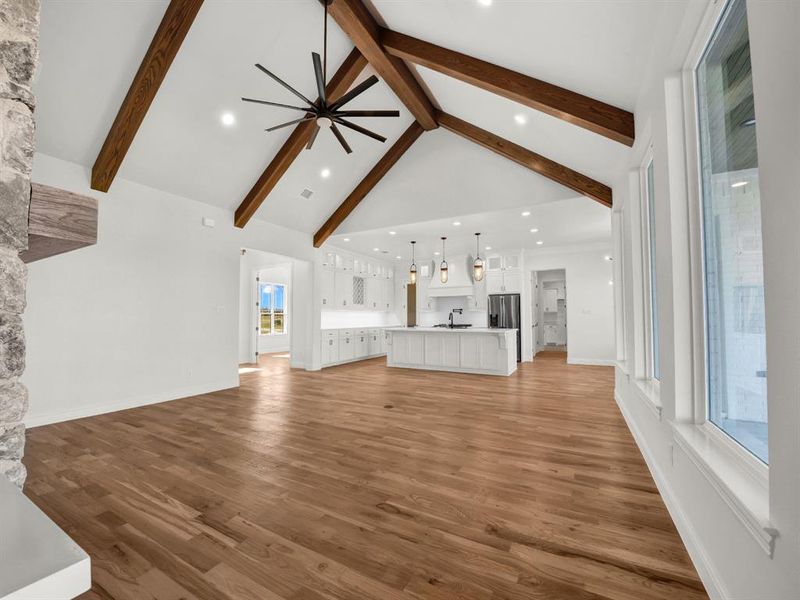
(169, 36)
(344, 78)
(522, 156)
(370, 181)
(612, 122)
(356, 21)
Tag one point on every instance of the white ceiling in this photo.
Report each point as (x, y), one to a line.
(90, 50)
(563, 223)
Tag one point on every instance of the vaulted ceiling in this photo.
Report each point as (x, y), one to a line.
(91, 50)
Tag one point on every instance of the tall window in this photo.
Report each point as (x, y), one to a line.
(649, 212)
(272, 307)
(736, 366)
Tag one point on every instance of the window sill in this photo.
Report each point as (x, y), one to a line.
(650, 393)
(743, 485)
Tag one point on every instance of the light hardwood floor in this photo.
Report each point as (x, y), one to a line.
(366, 483)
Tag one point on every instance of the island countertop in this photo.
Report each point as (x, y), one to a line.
(478, 350)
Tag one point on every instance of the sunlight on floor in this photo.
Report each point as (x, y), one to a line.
(244, 370)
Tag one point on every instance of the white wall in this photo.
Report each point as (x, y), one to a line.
(590, 300)
(151, 312)
(726, 547)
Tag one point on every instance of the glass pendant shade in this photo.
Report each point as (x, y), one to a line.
(443, 266)
(477, 269)
(478, 266)
(412, 271)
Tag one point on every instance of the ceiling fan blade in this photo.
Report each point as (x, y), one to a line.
(341, 139)
(360, 129)
(284, 84)
(360, 88)
(282, 125)
(320, 78)
(313, 138)
(276, 104)
(367, 113)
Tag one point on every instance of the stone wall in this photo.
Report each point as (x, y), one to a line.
(19, 37)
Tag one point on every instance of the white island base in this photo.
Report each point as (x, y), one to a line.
(475, 350)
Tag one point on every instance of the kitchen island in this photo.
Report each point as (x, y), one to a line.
(477, 350)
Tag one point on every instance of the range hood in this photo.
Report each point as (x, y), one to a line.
(459, 281)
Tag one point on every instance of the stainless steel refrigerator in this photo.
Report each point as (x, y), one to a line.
(504, 313)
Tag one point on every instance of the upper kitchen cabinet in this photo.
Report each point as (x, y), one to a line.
(504, 273)
(508, 261)
(353, 282)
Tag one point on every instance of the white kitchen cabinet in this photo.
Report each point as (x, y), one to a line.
(329, 259)
(478, 302)
(387, 301)
(328, 286)
(550, 300)
(361, 343)
(330, 347)
(503, 282)
(344, 262)
(374, 297)
(512, 262)
(374, 337)
(343, 289)
(408, 349)
(384, 341)
(442, 350)
(359, 292)
(479, 352)
(347, 346)
(494, 263)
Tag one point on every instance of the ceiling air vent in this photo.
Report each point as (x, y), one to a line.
(306, 193)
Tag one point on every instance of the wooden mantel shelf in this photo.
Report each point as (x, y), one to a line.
(59, 221)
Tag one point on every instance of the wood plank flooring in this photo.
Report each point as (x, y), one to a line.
(366, 483)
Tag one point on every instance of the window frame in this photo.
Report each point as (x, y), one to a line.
(272, 332)
(748, 462)
(648, 263)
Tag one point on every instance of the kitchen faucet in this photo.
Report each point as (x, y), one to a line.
(455, 310)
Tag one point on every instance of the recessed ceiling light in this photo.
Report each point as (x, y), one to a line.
(456, 223)
(228, 119)
(520, 119)
(436, 253)
(607, 257)
(398, 257)
(527, 213)
(376, 249)
(392, 233)
(325, 173)
(539, 243)
(738, 184)
(610, 282)
(346, 239)
(534, 230)
(488, 247)
(485, 2)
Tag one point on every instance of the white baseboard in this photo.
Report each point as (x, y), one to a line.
(91, 410)
(600, 362)
(708, 575)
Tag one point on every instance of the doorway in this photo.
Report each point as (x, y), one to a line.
(266, 303)
(549, 310)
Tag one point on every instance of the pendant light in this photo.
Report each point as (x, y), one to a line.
(477, 266)
(443, 266)
(412, 272)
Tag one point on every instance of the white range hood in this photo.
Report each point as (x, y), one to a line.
(459, 280)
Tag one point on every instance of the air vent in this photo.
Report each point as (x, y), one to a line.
(306, 193)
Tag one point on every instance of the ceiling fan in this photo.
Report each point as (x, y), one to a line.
(326, 114)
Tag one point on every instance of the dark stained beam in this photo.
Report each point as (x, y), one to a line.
(356, 21)
(370, 181)
(522, 156)
(167, 41)
(339, 84)
(599, 117)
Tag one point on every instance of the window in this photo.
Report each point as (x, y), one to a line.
(272, 308)
(735, 339)
(651, 300)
